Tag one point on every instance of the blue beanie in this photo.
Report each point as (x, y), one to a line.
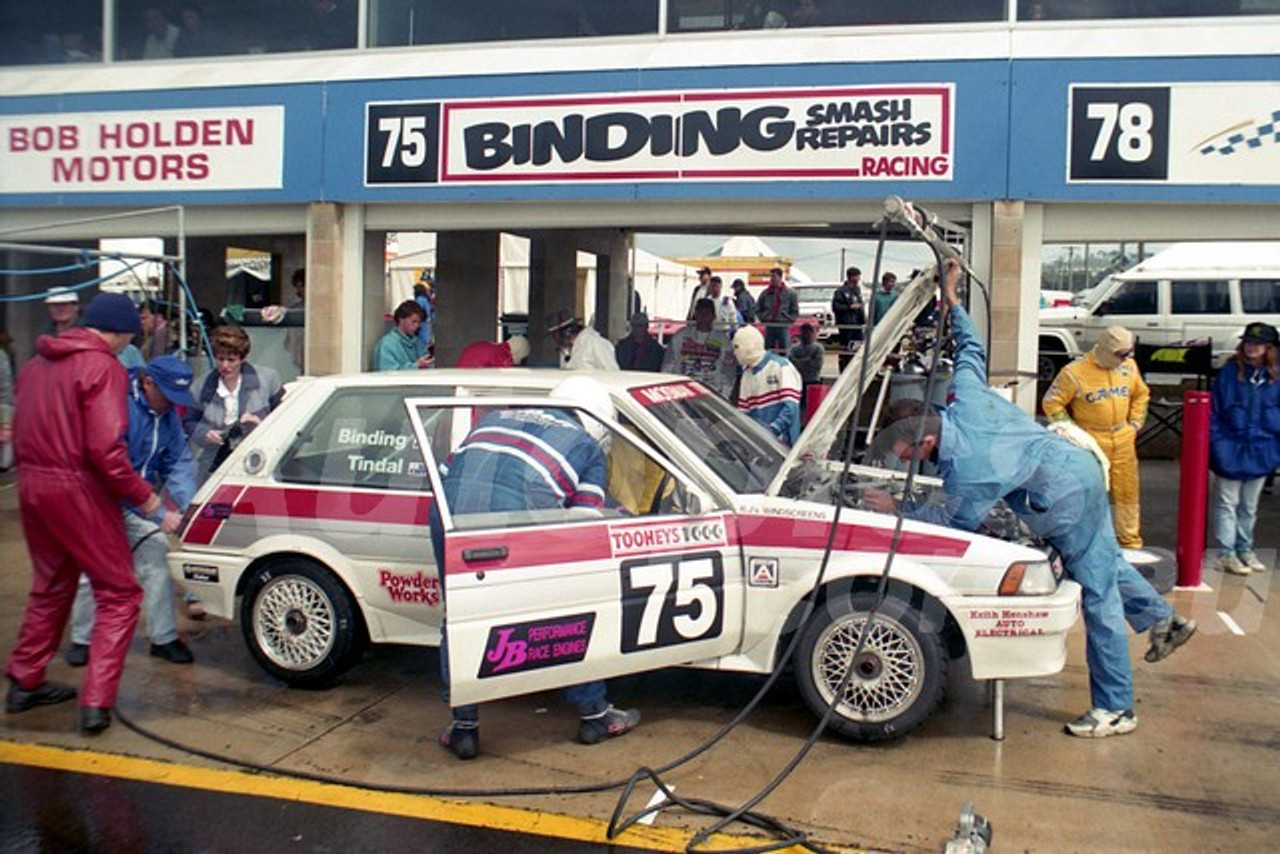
(113, 313)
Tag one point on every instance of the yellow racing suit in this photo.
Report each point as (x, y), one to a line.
(1111, 405)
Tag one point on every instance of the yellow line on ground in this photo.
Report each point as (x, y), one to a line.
(348, 797)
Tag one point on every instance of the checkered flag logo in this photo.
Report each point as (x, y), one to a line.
(1243, 137)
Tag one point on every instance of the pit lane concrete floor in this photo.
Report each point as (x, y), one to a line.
(1201, 773)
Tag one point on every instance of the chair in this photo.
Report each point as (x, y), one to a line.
(1191, 358)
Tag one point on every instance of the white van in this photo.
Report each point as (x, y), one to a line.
(1190, 291)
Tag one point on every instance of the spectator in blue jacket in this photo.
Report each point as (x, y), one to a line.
(159, 453)
(1244, 444)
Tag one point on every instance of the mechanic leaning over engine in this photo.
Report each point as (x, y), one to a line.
(986, 449)
(1103, 392)
(531, 459)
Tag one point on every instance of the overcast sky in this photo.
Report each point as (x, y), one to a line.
(819, 258)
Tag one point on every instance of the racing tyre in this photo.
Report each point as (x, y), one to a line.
(901, 673)
(300, 624)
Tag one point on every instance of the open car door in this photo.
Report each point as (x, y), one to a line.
(550, 597)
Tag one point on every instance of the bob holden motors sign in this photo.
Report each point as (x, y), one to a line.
(887, 132)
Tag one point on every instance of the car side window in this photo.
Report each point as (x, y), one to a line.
(361, 438)
(1200, 296)
(635, 484)
(1260, 296)
(1133, 298)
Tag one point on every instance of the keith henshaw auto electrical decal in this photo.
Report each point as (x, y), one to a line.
(876, 133)
(234, 148)
(536, 644)
(1179, 133)
(992, 623)
(646, 538)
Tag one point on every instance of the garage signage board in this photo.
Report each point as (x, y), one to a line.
(859, 133)
(1179, 133)
(238, 148)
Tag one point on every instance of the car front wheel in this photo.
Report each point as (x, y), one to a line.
(300, 624)
(899, 677)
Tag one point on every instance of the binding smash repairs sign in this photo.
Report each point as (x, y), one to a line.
(877, 133)
(237, 148)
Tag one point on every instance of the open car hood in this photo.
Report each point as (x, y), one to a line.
(815, 443)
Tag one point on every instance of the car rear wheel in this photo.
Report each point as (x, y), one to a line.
(300, 623)
(900, 675)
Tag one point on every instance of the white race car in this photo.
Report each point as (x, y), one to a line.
(314, 532)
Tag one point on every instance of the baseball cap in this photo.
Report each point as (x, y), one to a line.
(61, 295)
(1261, 333)
(173, 377)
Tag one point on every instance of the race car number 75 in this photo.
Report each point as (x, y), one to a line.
(669, 601)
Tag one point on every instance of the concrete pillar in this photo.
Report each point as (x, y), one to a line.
(337, 331)
(467, 277)
(613, 292)
(1016, 229)
(553, 285)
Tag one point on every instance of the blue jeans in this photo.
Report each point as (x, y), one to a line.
(150, 547)
(1143, 605)
(1235, 509)
(591, 698)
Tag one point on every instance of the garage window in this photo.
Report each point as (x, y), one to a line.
(1260, 296)
(362, 439)
(1200, 297)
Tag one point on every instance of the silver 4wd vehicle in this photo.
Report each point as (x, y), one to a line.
(1189, 292)
(709, 552)
(815, 304)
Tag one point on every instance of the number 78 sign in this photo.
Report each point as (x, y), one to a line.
(1181, 133)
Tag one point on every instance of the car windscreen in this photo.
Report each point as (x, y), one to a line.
(737, 449)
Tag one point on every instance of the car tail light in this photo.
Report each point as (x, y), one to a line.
(1028, 578)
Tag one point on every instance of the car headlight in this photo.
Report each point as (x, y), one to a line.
(1028, 578)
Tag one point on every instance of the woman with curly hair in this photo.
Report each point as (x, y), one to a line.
(1244, 444)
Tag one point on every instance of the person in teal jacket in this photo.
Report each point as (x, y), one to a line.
(401, 349)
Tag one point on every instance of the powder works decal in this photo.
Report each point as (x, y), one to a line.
(864, 133)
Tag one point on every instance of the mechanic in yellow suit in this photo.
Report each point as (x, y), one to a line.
(1103, 392)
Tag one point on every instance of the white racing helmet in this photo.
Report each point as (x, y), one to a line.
(592, 397)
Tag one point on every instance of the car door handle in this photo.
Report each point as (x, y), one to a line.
(474, 555)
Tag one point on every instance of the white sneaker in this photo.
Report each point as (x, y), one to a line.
(1100, 723)
(1250, 560)
(1231, 564)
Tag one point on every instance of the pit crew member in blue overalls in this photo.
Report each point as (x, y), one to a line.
(159, 452)
(986, 449)
(532, 459)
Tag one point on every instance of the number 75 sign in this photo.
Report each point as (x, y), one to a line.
(1119, 134)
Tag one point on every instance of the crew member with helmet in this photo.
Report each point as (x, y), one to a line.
(486, 354)
(1103, 392)
(770, 389)
(532, 459)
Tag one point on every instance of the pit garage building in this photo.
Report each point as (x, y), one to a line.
(311, 133)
